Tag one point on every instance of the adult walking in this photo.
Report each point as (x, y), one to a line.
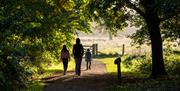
(78, 52)
(65, 57)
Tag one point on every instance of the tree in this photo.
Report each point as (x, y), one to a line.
(149, 13)
(32, 33)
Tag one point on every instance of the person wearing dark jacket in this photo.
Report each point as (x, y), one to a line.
(88, 59)
(78, 52)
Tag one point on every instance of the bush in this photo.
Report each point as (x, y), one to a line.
(143, 63)
(140, 63)
(171, 60)
(17, 70)
(13, 74)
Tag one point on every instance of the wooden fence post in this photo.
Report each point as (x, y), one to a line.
(93, 50)
(96, 49)
(123, 49)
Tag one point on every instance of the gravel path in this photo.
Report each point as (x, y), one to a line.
(95, 79)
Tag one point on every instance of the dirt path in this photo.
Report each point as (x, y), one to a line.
(95, 79)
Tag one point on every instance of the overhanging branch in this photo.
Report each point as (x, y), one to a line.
(132, 6)
(168, 16)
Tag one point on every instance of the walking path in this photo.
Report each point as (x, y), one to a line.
(95, 79)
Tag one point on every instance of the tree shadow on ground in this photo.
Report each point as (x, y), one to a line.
(127, 77)
(56, 73)
(133, 81)
(109, 81)
(85, 82)
(89, 82)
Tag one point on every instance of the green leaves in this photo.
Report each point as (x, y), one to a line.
(141, 36)
(171, 28)
(108, 13)
(37, 29)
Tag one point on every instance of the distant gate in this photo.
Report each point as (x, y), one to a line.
(93, 48)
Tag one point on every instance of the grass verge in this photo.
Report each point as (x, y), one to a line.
(111, 67)
(38, 85)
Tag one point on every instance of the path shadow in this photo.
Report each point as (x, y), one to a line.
(91, 82)
(108, 79)
(71, 82)
(57, 74)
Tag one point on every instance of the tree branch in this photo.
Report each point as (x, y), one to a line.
(132, 6)
(168, 16)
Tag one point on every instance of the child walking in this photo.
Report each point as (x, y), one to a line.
(88, 59)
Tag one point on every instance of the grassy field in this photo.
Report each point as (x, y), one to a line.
(111, 67)
(59, 66)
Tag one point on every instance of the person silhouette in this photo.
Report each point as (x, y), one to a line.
(65, 57)
(78, 52)
(88, 59)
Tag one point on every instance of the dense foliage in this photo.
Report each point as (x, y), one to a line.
(32, 33)
(170, 31)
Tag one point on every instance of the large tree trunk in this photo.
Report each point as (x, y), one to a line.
(158, 68)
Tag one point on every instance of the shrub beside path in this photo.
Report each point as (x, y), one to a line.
(96, 79)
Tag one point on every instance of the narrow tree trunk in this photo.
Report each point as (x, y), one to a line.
(158, 68)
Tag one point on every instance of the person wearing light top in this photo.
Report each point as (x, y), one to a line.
(65, 57)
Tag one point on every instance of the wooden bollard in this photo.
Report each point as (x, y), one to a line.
(117, 61)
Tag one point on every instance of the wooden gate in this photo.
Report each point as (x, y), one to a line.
(93, 48)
